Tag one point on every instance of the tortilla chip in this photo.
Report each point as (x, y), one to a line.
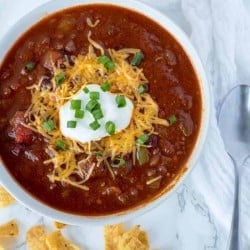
(5, 198)
(55, 241)
(117, 239)
(133, 239)
(35, 238)
(139, 234)
(9, 229)
(143, 237)
(59, 225)
(130, 243)
(111, 235)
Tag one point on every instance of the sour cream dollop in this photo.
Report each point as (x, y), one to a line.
(82, 132)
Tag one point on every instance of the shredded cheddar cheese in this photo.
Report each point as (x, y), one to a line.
(46, 103)
(92, 24)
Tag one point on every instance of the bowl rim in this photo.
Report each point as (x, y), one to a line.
(53, 6)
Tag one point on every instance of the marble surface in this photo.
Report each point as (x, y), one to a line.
(199, 215)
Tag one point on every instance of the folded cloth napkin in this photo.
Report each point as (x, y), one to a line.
(199, 215)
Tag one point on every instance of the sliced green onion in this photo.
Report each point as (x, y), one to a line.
(71, 124)
(75, 104)
(142, 155)
(137, 59)
(59, 78)
(30, 66)
(92, 104)
(105, 86)
(118, 162)
(49, 125)
(172, 119)
(94, 95)
(79, 114)
(110, 127)
(97, 114)
(142, 139)
(110, 65)
(61, 145)
(94, 125)
(86, 90)
(107, 62)
(121, 101)
(142, 89)
(99, 154)
(103, 60)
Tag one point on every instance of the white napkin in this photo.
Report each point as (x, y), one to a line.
(207, 194)
(227, 24)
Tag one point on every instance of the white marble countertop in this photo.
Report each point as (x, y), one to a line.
(198, 215)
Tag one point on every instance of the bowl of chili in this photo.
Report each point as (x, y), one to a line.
(104, 110)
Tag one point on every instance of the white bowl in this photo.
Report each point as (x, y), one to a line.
(55, 5)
